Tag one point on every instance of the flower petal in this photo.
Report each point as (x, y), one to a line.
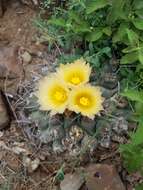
(86, 100)
(52, 94)
(76, 73)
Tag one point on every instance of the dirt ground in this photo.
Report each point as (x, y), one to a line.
(16, 25)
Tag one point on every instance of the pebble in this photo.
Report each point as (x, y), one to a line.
(26, 57)
(103, 177)
(72, 182)
(4, 117)
(31, 165)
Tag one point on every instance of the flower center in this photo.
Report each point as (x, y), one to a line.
(75, 80)
(60, 96)
(84, 101)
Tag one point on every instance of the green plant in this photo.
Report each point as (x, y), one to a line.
(102, 23)
(133, 151)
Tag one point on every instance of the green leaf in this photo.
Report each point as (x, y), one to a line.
(74, 16)
(139, 13)
(138, 23)
(57, 21)
(107, 30)
(121, 33)
(140, 55)
(93, 5)
(133, 95)
(94, 36)
(130, 49)
(60, 175)
(139, 187)
(137, 137)
(117, 11)
(138, 4)
(132, 157)
(129, 58)
(139, 108)
(132, 36)
(81, 27)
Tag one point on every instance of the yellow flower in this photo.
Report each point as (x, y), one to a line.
(76, 73)
(86, 100)
(52, 94)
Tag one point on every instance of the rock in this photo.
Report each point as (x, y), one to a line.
(1, 8)
(26, 57)
(31, 165)
(103, 177)
(4, 117)
(11, 71)
(9, 62)
(72, 182)
(30, 3)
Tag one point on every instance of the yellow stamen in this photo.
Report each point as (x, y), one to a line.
(75, 80)
(59, 96)
(84, 101)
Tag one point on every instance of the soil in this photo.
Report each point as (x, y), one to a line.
(23, 164)
(16, 25)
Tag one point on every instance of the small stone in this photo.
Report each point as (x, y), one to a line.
(18, 150)
(72, 182)
(31, 165)
(4, 117)
(103, 177)
(1, 134)
(10, 68)
(34, 164)
(9, 62)
(1, 8)
(26, 57)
